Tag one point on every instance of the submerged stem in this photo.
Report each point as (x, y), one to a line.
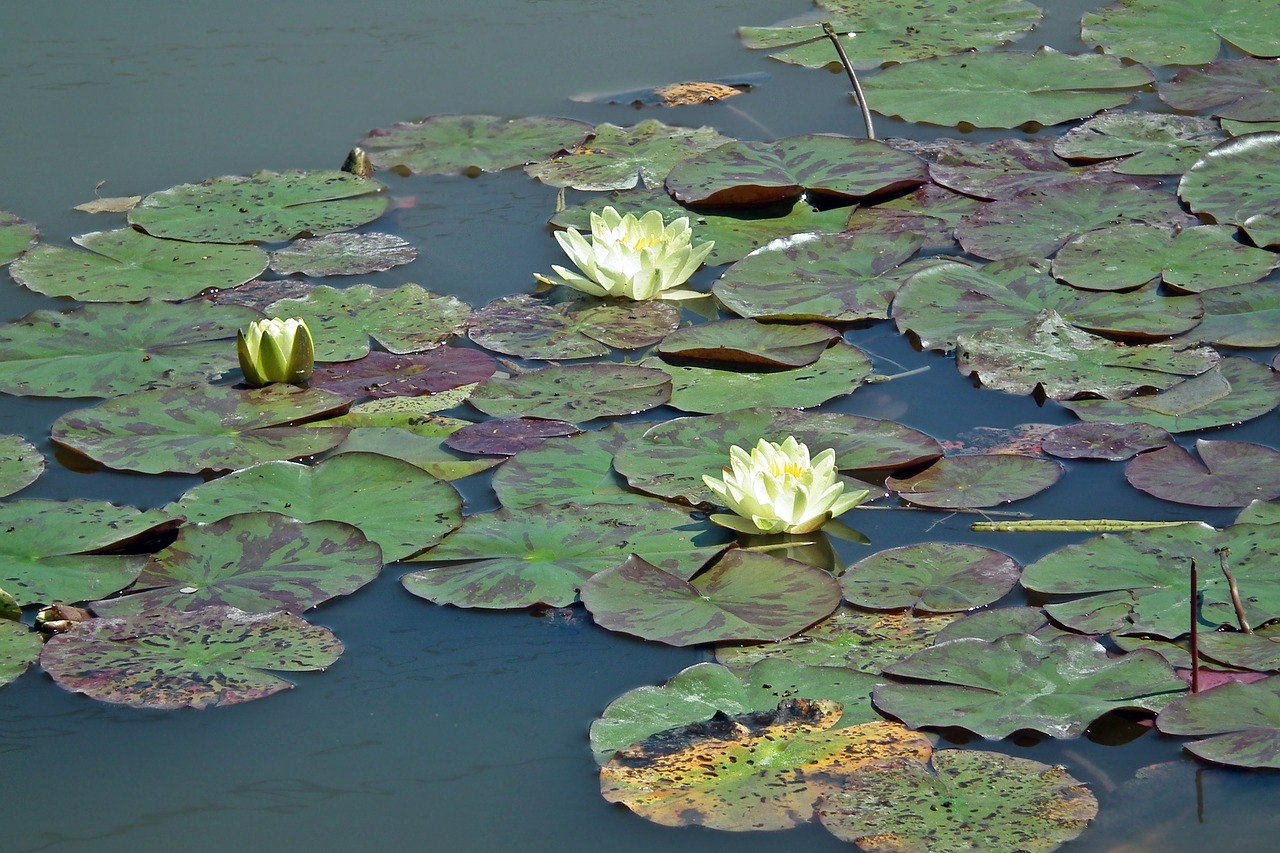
(853, 78)
(1195, 630)
(1068, 525)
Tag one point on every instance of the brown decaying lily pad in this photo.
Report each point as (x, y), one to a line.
(1114, 442)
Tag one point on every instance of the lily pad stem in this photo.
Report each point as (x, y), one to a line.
(831, 33)
(1068, 525)
(1223, 553)
(1195, 630)
(878, 378)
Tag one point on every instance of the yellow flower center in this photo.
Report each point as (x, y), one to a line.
(788, 468)
(642, 243)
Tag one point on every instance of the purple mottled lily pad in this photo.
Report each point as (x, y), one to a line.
(575, 393)
(577, 468)
(747, 343)
(1150, 143)
(406, 428)
(744, 596)
(508, 436)
(1114, 442)
(343, 254)
(618, 158)
(932, 212)
(1239, 183)
(169, 659)
(196, 427)
(20, 464)
(255, 561)
(745, 173)
(382, 374)
(450, 144)
(1239, 89)
(935, 577)
(259, 294)
(529, 327)
(976, 481)
(1242, 721)
(999, 169)
(1229, 473)
(1247, 315)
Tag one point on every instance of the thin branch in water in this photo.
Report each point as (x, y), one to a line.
(1223, 553)
(831, 33)
(1068, 525)
(878, 378)
(1195, 629)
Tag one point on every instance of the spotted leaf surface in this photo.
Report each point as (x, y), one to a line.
(15, 236)
(619, 158)
(935, 577)
(1239, 183)
(576, 394)
(443, 145)
(447, 373)
(1242, 720)
(1150, 143)
(19, 648)
(980, 480)
(529, 327)
(343, 254)
(573, 469)
(20, 464)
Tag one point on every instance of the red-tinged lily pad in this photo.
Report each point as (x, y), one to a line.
(848, 639)
(972, 800)
(756, 771)
(382, 374)
(259, 294)
(257, 562)
(1114, 442)
(834, 277)
(19, 648)
(744, 596)
(618, 158)
(20, 464)
(1020, 682)
(169, 659)
(576, 393)
(1236, 390)
(1239, 183)
(1229, 473)
(1242, 720)
(529, 327)
(407, 319)
(508, 436)
(127, 265)
(671, 458)
(840, 370)
(396, 505)
(16, 236)
(1258, 651)
(544, 554)
(192, 428)
(999, 169)
(343, 254)
(964, 482)
(746, 343)
(576, 469)
(1244, 316)
(839, 167)
(265, 207)
(1182, 32)
(1150, 143)
(932, 212)
(1238, 89)
(450, 144)
(1038, 221)
(935, 577)
(1049, 356)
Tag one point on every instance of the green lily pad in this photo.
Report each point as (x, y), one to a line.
(1182, 32)
(1239, 183)
(1229, 473)
(980, 480)
(20, 464)
(544, 554)
(446, 374)
(671, 458)
(405, 428)
(1004, 89)
(576, 393)
(835, 277)
(1020, 681)
(1037, 222)
(529, 327)
(840, 167)
(576, 469)
(16, 236)
(936, 577)
(1243, 316)
(756, 771)
(43, 545)
(847, 639)
(618, 158)
(1240, 128)
(838, 371)
(203, 658)
(1114, 442)
(1236, 89)
(875, 32)
(932, 212)
(126, 265)
(1192, 260)
(991, 625)
(744, 596)
(407, 319)
(735, 236)
(257, 562)
(449, 144)
(1259, 651)
(19, 648)
(1242, 719)
(746, 343)
(998, 169)
(343, 254)
(972, 800)
(191, 428)
(1236, 390)
(951, 298)
(1137, 582)
(394, 504)
(265, 207)
(1150, 143)
(1051, 357)
(1258, 512)
(112, 349)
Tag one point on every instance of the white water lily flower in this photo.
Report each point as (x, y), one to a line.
(276, 351)
(631, 258)
(776, 488)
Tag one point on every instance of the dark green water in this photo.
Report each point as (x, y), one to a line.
(441, 728)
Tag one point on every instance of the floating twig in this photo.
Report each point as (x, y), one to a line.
(1069, 525)
(1223, 553)
(831, 33)
(877, 378)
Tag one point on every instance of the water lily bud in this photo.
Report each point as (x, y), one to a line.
(777, 488)
(276, 351)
